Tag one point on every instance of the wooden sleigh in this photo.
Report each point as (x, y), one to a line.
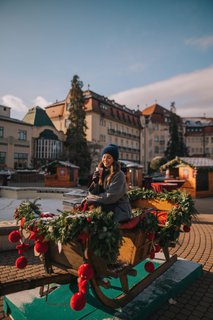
(135, 248)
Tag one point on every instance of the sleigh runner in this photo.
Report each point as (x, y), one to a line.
(123, 246)
(134, 249)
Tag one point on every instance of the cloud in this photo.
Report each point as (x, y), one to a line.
(41, 102)
(203, 42)
(18, 107)
(15, 103)
(192, 93)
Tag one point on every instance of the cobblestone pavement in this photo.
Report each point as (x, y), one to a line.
(195, 303)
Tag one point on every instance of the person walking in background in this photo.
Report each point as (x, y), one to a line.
(109, 187)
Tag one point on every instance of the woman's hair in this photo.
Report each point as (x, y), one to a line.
(115, 167)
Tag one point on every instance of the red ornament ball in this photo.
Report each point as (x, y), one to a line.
(78, 301)
(14, 236)
(157, 247)
(149, 267)
(186, 228)
(21, 262)
(83, 236)
(41, 247)
(85, 271)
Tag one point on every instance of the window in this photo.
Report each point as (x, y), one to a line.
(102, 138)
(103, 106)
(22, 135)
(102, 122)
(2, 157)
(20, 156)
(20, 160)
(1, 132)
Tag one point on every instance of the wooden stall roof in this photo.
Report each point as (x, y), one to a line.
(194, 162)
(61, 163)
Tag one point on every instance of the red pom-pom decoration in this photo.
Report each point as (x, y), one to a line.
(78, 301)
(83, 236)
(149, 267)
(85, 271)
(82, 285)
(14, 236)
(157, 247)
(150, 236)
(21, 262)
(41, 247)
(186, 228)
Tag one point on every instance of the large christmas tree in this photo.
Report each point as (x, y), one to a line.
(76, 144)
(176, 145)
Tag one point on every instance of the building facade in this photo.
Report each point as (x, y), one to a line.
(107, 122)
(199, 136)
(47, 141)
(15, 141)
(28, 143)
(155, 135)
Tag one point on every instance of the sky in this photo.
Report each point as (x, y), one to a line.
(137, 52)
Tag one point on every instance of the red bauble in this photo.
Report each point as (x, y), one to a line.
(149, 267)
(150, 236)
(14, 236)
(82, 285)
(85, 271)
(157, 247)
(21, 262)
(83, 236)
(41, 247)
(186, 228)
(78, 301)
(152, 254)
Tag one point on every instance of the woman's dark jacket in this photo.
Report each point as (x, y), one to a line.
(112, 196)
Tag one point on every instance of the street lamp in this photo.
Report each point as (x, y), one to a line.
(146, 122)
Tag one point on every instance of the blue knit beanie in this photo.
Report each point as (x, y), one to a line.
(111, 149)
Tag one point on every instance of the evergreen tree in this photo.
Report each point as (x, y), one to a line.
(176, 146)
(76, 144)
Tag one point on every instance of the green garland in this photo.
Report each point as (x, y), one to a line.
(104, 234)
(181, 213)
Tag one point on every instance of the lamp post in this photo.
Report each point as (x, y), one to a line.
(146, 122)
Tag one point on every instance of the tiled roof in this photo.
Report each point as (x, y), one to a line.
(56, 109)
(158, 114)
(38, 117)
